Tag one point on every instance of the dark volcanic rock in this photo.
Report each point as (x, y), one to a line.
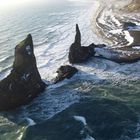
(134, 31)
(101, 119)
(128, 25)
(24, 82)
(136, 37)
(78, 53)
(65, 72)
(124, 54)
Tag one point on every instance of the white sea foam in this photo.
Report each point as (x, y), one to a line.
(57, 34)
(31, 122)
(81, 119)
(136, 47)
(117, 31)
(128, 37)
(115, 20)
(89, 138)
(101, 19)
(105, 52)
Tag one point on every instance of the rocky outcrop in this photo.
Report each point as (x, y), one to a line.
(134, 31)
(101, 119)
(124, 54)
(24, 81)
(78, 53)
(65, 72)
(129, 53)
(128, 25)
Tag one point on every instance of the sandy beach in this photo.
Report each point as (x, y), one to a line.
(108, 15)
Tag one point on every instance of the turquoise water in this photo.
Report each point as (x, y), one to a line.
(53, 30)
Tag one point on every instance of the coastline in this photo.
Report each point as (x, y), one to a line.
(95, 27)
(98, 28)
(108, 83)
(133, 6)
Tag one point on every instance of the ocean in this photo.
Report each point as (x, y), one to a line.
(53, 31)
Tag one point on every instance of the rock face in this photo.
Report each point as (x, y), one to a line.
(78, 53)
(128, 25)
(24, 82)
(101, 119)
(124, 54)
(65, 72)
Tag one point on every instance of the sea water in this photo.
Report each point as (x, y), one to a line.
(53, 31)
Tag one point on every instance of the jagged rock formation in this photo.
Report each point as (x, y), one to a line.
(136, 38)
(129, 53)
(78, 53)
(101, 119)
(65, 72)
(24, 82)
(125, 54)
(134, 31)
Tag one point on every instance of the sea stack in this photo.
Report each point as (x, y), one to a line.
(24, 81)
(65, 72)
(78, 53)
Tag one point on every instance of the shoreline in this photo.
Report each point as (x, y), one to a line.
(96, 25)
(133, 6)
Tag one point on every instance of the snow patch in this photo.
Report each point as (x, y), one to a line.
(115, 20)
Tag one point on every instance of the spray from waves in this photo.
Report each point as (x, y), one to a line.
(30, 122)
(52, 39)
(51, 50)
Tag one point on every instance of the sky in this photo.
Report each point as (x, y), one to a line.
(13, 3)
(8, 4)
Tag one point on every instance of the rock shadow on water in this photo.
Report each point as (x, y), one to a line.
(99, 119)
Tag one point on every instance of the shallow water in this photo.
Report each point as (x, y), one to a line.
(53, 31)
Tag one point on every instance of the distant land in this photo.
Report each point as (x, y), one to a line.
(133, 6)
